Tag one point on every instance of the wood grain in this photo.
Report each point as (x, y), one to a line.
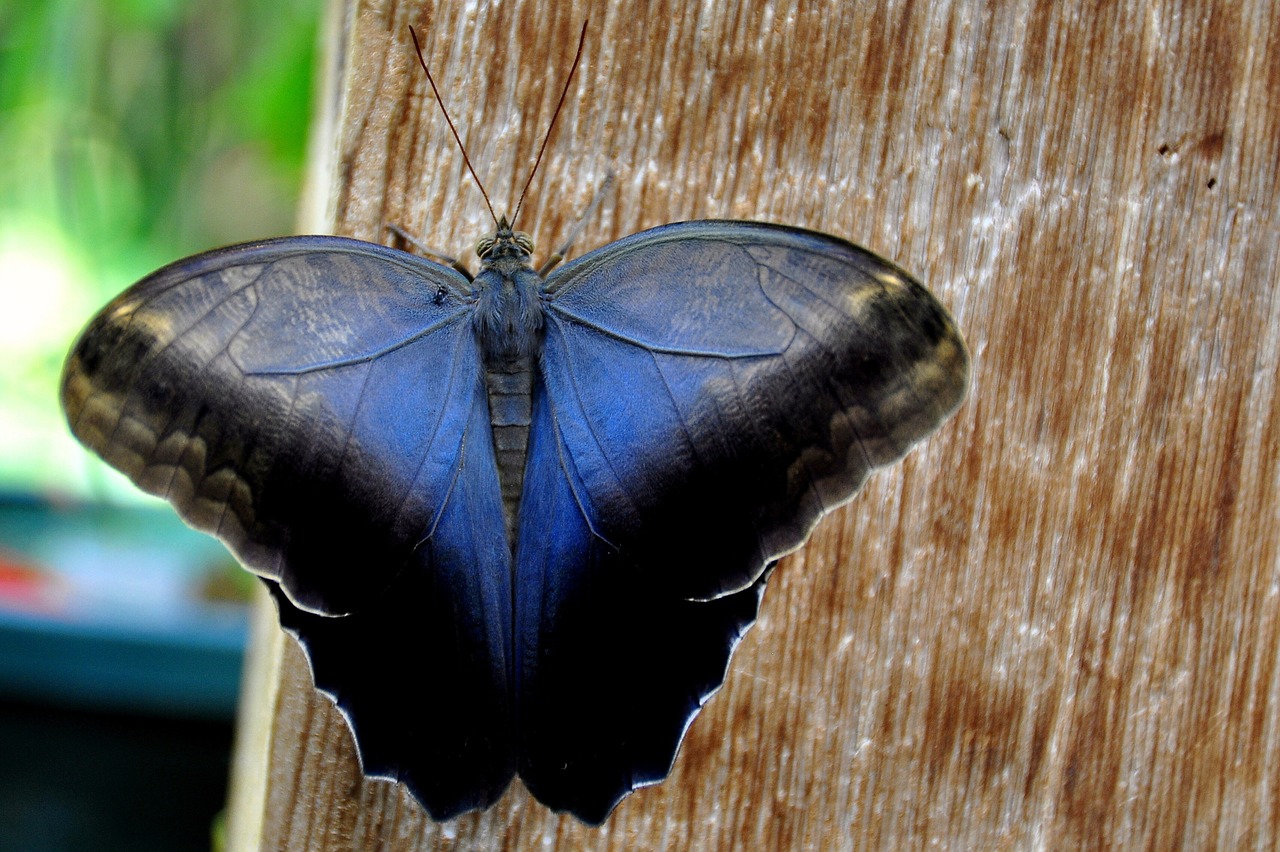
(1056, 624)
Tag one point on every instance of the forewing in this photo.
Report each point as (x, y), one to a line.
(721, 385)
(303, 399)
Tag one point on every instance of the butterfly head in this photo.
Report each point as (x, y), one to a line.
(505, 243)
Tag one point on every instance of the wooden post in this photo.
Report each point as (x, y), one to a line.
(1056, 624)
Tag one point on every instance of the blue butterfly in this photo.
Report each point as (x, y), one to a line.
(557, 500)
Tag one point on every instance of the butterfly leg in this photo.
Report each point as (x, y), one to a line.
(429, 252)
(559, 254)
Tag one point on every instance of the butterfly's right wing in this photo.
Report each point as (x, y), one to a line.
(707, 391)
(318, 404)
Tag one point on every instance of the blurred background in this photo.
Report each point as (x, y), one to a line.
(132, 133)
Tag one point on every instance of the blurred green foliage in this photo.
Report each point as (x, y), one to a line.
(132, 133)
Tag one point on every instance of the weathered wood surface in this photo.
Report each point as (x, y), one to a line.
(1056, 624)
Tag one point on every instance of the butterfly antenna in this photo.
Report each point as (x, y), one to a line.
(463, 148)
(582, 39)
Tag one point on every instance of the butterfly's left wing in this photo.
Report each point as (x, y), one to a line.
(709, 390)
(318, 404)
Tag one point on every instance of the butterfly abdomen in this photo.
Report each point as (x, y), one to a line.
(510, 385)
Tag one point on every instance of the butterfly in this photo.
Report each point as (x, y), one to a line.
(349, 418)
(553, 501)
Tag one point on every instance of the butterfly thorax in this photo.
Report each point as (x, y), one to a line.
(508, 316)
(508, 324)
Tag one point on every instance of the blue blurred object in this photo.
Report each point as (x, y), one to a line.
(122, 609)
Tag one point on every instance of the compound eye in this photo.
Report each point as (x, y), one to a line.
(484, 246)
(524, 241)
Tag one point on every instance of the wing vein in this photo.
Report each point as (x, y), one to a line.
(675, 406)
(590, 428)
(459, 343)
(155, 353)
